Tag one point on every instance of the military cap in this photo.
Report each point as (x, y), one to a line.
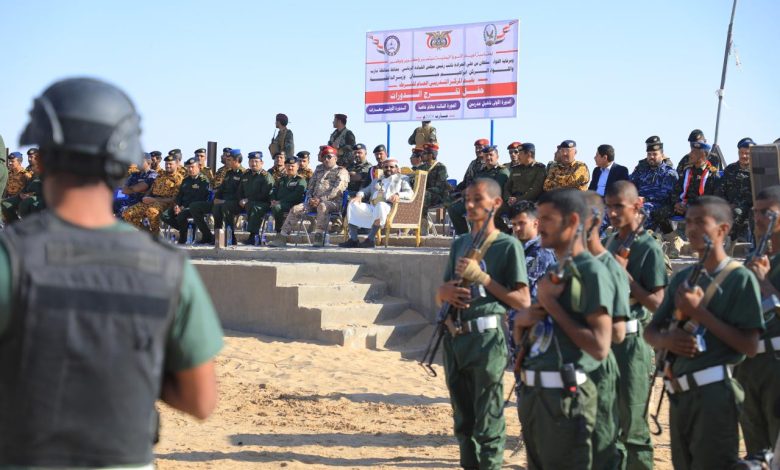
(174, 152)
(341, 117)
(481, 142)
(359, 147)
(514, 145)
(328, 150)
(147, 156)
(653, 143)
(15, 155)
(654, 147)
(293, 158)
(701, 145)
(235, 153)
(380, 148)
(528, 147)
(32, 151)
(169, 158)
(191, 161)
(695, 135)
(226, 150)
(745, 143)
(301, 154)
(282, 118)
(200, 151)
(568, 144)
(430, 148)
(489, 148)
(155, 153)
(258, 155)
(653, 139)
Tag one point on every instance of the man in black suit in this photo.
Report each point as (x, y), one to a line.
(607, 172)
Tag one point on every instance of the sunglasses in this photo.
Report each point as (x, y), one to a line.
(514, 151)
(328, 157)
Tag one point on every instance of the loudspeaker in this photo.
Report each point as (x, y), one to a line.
(764, 167)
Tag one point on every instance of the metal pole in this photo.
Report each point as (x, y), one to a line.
(388, 139)
(491, 132)
(723, 74)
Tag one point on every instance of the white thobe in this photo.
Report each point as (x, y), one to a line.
(363, 214)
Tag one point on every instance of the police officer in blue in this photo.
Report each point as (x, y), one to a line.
(136, 186)
(655, 179)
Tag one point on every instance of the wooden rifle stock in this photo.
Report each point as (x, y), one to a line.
(624, 250)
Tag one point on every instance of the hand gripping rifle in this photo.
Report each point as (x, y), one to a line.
(769, 304)
(663, 358)
(624, 250)
(447, 311)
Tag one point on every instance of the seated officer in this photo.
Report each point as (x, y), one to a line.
(359, 170)
(225, 196)
(526, 178)
(160, 197)
(736, 189)
(194, 188)
(254, 196)
(655, 180)
(437, 189)
(303, 165)
(287, 192)
(277, 171)
(492, 169)
(29, 199)
(136, 185)
(17, 175)
(724, 305)
(156, 159)
(567, 172)
(205, 169)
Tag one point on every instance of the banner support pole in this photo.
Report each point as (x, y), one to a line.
(388, 140)
(491, 132)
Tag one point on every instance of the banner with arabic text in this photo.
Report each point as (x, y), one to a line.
(464, 71)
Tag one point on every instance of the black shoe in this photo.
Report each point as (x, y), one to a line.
(350, 243)
(367, 243)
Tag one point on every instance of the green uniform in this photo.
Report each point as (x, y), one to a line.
(703, 421)
(195, 335)
(15, 207)
(474, 362)
(228, 192)
(288, 191)
(634, 355)
(760, 378)
(558, 426)
(3, 167)
(457, 211)
(193, 189)
(256, 187)
(736, 189)
(475, 166)
(437, 189)
(525, 182)
(607, 454)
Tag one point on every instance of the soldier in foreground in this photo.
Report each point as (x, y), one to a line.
(725, 308)
(641, 257)
(475, 348)
(86, 398)
(558, 401)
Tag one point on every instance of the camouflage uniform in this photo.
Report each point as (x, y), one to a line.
(457, 211)
(665, 213)
(219, 177)
(166, 185)
(423, 135)
(277, 172)
(17, 179)
(362, 168)
(15, 207)
(736, 189)
(148, 177)
(305, 173)
(227, 192)
(328, 185)
(192, 189)
(525, 182)
(575, 176)
(133, 168)
(256, 188)
(343, 141)
(684, 162)
(437, 189)
(287, 192)
(208, 173)
(655, 185)
(475, 166)
(284, 142)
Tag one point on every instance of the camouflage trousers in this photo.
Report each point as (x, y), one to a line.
(137, 213)
(299, 211)
(660, 216)
(14, 207)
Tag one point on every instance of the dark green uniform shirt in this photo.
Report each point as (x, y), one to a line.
(364, 170)
(620, 306)
(228, 190)
(772, 322)
(499, 173)
(737, 302)
(646, 265)
(594, 295)
(289, 189)
(193, 189)
(256, 186)
(505, 263)
(525, 182)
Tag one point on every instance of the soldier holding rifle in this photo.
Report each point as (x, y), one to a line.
(480, 287)
(713, 324)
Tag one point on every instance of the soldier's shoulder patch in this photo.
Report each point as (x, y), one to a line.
(195, 186)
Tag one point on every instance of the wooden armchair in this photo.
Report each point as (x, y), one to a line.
(408, 214)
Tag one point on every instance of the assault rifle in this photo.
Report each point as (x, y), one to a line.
(769, 304)
(447, 311)
(624, 250)
(663, 359)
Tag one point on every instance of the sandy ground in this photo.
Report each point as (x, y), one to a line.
(293, 405)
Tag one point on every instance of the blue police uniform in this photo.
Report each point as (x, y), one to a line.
(654, 184)
(135, 178)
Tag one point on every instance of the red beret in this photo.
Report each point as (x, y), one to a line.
(481, 143)
(514, 145)
(328, 150)
(431, 147)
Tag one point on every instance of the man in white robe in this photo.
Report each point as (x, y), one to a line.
(382, 193)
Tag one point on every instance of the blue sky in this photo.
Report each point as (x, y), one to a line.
(597, 72)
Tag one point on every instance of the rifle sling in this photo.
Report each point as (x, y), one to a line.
(722, 275)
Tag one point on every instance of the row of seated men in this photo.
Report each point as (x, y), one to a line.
(23, 193)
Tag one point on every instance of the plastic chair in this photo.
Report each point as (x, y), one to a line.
(313, 213)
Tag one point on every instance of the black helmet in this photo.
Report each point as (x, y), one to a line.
(84, 117)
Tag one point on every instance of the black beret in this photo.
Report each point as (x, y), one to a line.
(155, 153)
(653, 139)
(380, 148)
(695, 135)
(169, 158)
(292, 158)
(200, 151)
(226, 150)
(359, 147)
(301, 154)
(191, 161)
